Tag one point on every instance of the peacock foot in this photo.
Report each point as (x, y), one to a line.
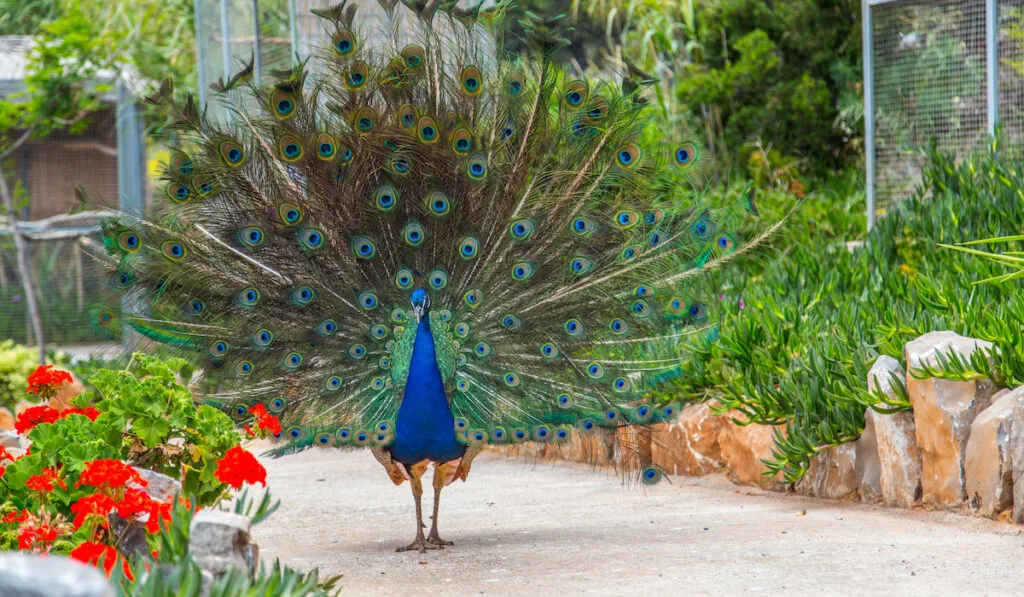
(420, 544)
(434, 539)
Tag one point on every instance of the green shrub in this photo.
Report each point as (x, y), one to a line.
(16, 364)
(140, 415)
(815, 315)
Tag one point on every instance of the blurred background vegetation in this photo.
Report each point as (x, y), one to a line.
(772, 89)
(772, 92)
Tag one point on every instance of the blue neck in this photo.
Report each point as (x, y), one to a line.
(425, 429)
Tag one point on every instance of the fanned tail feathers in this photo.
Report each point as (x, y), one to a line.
(562, 259)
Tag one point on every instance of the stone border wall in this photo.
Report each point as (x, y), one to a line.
(961, 448)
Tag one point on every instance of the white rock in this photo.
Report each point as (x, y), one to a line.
(988, 467)
(220, 541)
(24, 575)
(899, 459)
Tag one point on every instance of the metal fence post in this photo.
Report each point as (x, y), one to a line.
(225, 44)
(257, 63)
(992, 63)
(200, 51)
(131, 183)
(868, 35)
(293, 22)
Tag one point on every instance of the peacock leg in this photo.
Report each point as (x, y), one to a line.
(419, 544)
(439, 480)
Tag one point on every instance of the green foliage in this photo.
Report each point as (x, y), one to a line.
(748, 75)
(16, 364)
(816, 315)
(152, 420)
(22, 17)
(174, 573)
(146, 419)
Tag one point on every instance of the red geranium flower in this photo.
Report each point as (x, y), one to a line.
(239, 466)
(45, 481)
(265, 420)
(108, 472)
(30, 535)
(135, 501)
(30, 417)
(89, 411)
(46, 381)
(90, 552)
(16, 516)
(93, 505)
(158, 511)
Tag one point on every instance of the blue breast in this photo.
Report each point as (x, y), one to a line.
(425, 429)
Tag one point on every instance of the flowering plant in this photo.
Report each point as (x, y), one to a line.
(239, 466)
(47, 380)
(82, 466)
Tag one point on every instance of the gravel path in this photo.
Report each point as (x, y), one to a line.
(541, 529)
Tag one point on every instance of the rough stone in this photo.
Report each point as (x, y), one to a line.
(866, 463)
(943, 412)
(220, 541)
(899, 458)
(743, 447)
(832, 473)
(159, 486)
(23, 575)
(9, 439)
(6, 420)
(689, 445)
(988, 466)
(131, 534)
(1017, 462)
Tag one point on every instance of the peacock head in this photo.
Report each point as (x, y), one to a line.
(420, 302)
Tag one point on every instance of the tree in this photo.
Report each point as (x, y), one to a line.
(78, 51)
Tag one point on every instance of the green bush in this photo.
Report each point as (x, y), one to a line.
(815, 315)
(139, 415)
(16, 364)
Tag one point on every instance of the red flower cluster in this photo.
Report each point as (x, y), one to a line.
(46, 381)
(109, 473)
(37, 415)
(45, 481)
(238, 467)
(36, 536)
(266, 421)
(110, 476)
(15, 516)
(89, 411)
(94, 505)
(91, 552)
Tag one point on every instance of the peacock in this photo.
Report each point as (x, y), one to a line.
(417, 243)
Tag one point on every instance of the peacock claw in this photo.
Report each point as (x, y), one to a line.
(420, 544)
(434, 539)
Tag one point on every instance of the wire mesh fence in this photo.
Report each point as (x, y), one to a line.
(74, 302)
(274, 34)
(928, 61)
(68, 285)
(70, 289)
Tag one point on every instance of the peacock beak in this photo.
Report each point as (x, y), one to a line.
(418, 309)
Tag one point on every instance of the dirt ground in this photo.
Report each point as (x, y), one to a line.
(522, 528)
